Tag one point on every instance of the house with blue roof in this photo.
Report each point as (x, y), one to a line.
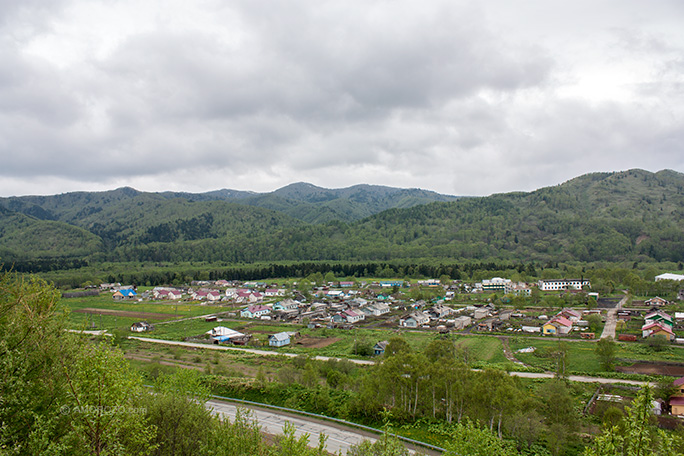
(128, 293)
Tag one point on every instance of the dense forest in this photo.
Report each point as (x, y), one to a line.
(624, 216)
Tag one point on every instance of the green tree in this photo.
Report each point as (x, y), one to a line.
(468, 439)
(104, 403)
(560, 415)
(605, 350)
(177, 411)
(594, 323)
(33, 340)
(638, 436)
(397, 345)
(241, 437)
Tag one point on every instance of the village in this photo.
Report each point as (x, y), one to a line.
(497, 306)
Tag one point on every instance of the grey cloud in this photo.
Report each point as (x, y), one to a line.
(374, 91)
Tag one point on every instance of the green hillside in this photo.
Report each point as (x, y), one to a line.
(22, 236)
(624, 216)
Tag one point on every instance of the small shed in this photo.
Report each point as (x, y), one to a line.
(141, 326)
(379, 348)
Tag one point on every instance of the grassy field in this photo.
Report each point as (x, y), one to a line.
(103, 312)
(581, 355)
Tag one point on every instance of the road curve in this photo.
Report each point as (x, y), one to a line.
(340, 438)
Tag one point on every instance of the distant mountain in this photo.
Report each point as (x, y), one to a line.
(631, 215)
(127, 217)
(302, 201)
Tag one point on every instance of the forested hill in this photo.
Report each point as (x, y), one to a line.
(632, 215)
(301, 201)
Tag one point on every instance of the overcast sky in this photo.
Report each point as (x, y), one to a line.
(464, 98)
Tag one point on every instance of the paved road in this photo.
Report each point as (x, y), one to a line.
(340, 438)
(246, 350)
(611, 320)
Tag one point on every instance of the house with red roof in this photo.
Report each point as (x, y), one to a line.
(657, 329)
(571, 314)
(255, 311)
(557, 325)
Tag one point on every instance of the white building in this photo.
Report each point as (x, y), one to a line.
(495, 284)
(668, 276)
(563, 284)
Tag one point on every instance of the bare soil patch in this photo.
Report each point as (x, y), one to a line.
(124, 313)
(674, 370)
(315, 342)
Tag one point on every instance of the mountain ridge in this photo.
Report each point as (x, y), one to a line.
(630, 215)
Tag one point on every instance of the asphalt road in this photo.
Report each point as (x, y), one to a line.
(339, 437)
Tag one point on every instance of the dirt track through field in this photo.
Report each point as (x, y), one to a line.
(124, 313)
(653, 369)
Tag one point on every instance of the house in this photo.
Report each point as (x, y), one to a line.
(556, 326)
(167, 293)
(207, 295)
(346, 284)
(657, 302)
(480, 313)
(391, 283)
(141, 326)
(279, 340)
(658, 329)
(677, 399)
(379, 348)
(125, 294)
(563, 284)
(572, 315)
(352, 317)
(358, 302)
(505, 315)
(440, 311)
(248, 296)
(286, 305)
(255, 311)
(414, 319)
(462, 322)
(376, 309)
(658, 317)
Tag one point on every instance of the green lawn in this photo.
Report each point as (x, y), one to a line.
(109, 321)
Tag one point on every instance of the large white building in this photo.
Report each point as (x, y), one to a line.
(563, 284)
(495, 284)
(668, 276)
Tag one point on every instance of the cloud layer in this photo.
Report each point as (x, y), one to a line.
(458, 97)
